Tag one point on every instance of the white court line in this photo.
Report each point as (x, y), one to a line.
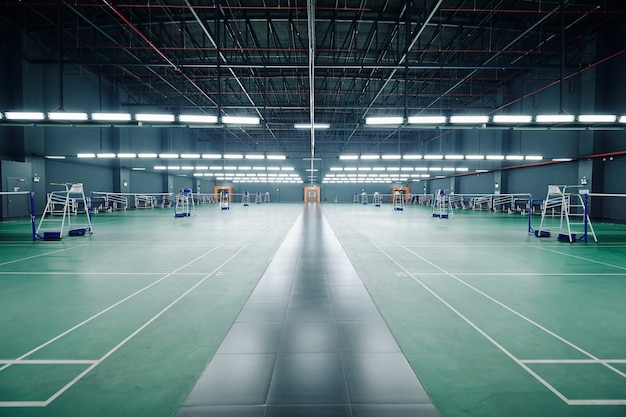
(48, 361)
(54, 339)
(520, 315)
(489, 338)
(39, 255)
(579, 257)
(478, 329)
(573, 361)
(146, 324)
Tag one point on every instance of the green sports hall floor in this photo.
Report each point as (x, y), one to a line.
(493, 321)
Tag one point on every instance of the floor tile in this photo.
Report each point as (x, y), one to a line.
(241, 379)
(366, 337)
(309, 310)
(252, 337)
(270, 292)
(348, 293)
(308, 411)
(356, 311)
(303, 337)
(308, 378)
(263, 311)
(382, 378)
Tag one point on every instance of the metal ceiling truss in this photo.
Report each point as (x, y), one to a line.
(356, 58)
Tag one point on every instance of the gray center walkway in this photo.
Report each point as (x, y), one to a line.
(309, 342)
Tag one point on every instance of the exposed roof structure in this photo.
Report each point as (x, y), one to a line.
(334, 62)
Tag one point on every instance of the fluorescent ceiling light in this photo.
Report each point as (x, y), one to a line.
(378, 168)
(276, 157)
(562, 159)
(168, 155)
(230, 168)
(554, 118)
(215, 168)
(406, 169)
(534, 157)
(462, 169)
(454, 157)
(393, 169)
(55, 157)
(349, 157)
(24, 115)
(255, 156)
(190, 155)
(240, 120)
(173, 168)
(365, 168)
(126, 155)
(622, 119)
(412, 157)
(510, 118)
(514, 157)
(197, 118)
(147, 155)
(211, 156)
(391, 120)
(421, 169)
(474, 157)
(433, 157)
(449, 169)
(336, 168)
(434, 169)
(106, 155)
(160, 167)
(67, 116)
(86, 155)
(469, 119)
(495, 157)
(138, 169)
(434, 120)
(315, 125)
(370, 157)
(187, 167)
(391, 157)
(245, 168)
(233, 156)
(111, 117)
(597, 118)
(350, 169)
(148, 117)
(273, 168)
(202, 168)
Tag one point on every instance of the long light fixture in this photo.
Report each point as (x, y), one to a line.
(240, 120)
(391, 157)
(349, 157)
(197, 118)
(554, 118)
(24, 115)
(255, 156)
(597, 118)
(454, 157)
(190, 155)
(433, 157)
(147, 155)
(427, 120)
(233, 156)
(495, 157)
(168, 155)
(475, 157)
(534, 157)
(111, 117)
(211, 156)
(469, 119)
(511, 118)
(370, 157)
(105, 155)
(86, 155)
(276, 157)
(67, 116)
(151, 117)
(126, 155)
(388, 120)
(411, 157)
